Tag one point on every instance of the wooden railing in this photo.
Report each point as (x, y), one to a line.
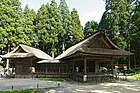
(91, 77)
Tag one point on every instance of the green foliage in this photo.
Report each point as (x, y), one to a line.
(103, 69)
(77, 33)
(121, 22)
(66, 21)
(29, 27)
(11, 24)
(1, 64)
(90, 28)
(135, 32)
(55, 27)
(136, 70)
(116, 21)
(136, 76)
(42, 27)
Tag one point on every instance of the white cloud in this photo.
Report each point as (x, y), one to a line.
(88, 10)
(95, 16)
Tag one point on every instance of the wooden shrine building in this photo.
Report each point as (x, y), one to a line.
(81, 62)
(86, 58)
(25, 59)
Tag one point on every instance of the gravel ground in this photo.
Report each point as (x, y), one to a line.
(9, 84)
(119, 87)
(66, 87)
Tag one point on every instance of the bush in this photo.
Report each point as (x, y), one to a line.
(103, 69)
(130, 71)
(136, 70)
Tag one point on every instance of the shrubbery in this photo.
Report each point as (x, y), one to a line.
(133, 71)
(103, 69)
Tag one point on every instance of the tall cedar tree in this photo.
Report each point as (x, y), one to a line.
(3, 34)
(11, 23)
(42, 26)
(116, 21)
(77, 33)
(66, 21)
(135, 33)
(90, 28)
(55, 27)
(29, 26)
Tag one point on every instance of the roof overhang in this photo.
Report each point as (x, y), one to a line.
(18, 55)
(102, 51)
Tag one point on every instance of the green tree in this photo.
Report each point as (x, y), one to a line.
(29, 26)
(77, 33)
(116, 21)
(42, 26)
(90, 28)
(121, 22)
(11, 23)
(2, 30)
(135, 32)
(55, 27)
(66, 21)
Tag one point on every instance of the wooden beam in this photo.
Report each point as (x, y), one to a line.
(85, 66)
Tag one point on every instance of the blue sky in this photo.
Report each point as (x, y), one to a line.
(87, 9)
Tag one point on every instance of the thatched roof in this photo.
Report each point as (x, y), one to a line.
(22, 51)
(98, 43)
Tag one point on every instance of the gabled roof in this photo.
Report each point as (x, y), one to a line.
(89, 45)
(22, 51)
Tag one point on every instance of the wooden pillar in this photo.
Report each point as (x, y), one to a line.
(73, 66)
(59, 68)
(31, 74)
(85, 66)
(7, 64)
(112, 66)
(135, 64)
(96, 66)
(129, 66)
(85, 70)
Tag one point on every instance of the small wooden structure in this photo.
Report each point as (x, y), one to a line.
(25, 57)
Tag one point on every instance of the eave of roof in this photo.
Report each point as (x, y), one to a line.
(18, 55)
(101, 51)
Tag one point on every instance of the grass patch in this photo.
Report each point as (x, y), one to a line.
(21, 91)
(136, 75)
(50, 79)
